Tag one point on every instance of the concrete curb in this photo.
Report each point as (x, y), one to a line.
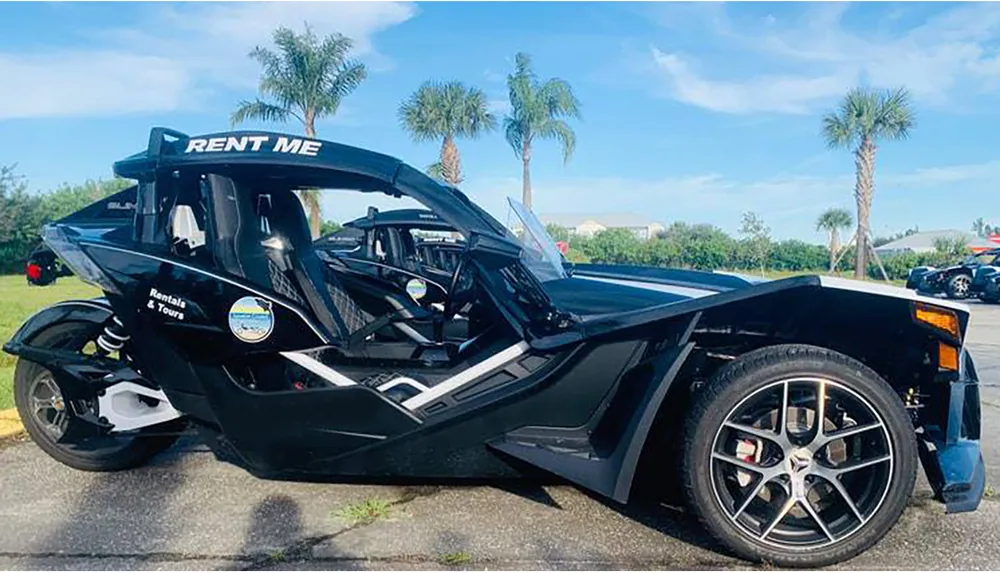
(10, 424)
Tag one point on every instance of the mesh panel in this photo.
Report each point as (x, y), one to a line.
(379, 379)
(282, 284)
(352, 314)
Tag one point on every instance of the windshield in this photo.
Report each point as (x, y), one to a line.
(540, 253)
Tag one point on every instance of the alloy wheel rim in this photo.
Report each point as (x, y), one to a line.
(787, 480)
(48, 407)
(961, 285)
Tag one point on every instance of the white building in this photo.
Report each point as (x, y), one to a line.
(924, 242)
(589, 225)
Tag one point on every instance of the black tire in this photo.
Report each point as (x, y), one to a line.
(111, 453)
(755, 372)
(958, 286)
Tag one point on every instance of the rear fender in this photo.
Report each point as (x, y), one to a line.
(96, 311)
(73, 372)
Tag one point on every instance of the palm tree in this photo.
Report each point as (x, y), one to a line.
(306, 79)
(865, 117)
(537, 110)
(832, 221)
(445, 111)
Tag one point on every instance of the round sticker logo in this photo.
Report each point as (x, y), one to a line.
(251, 319)
(416, 288)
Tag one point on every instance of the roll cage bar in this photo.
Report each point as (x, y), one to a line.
(307, 163)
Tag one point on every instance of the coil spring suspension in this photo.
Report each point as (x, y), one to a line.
(113, 338)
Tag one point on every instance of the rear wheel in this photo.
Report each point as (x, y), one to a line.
(958, 286)
(798, 456)
(50, 419)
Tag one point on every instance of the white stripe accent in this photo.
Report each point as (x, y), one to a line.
(672, 289)
(468, 375)
(887, 290)
(402, 380)
(319, 369)
(411, 332)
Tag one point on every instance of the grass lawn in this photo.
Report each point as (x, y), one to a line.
(18, 300)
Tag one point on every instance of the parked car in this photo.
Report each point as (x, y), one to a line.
(794, 413)
(964, 279)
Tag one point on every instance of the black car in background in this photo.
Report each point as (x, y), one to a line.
(965, 279)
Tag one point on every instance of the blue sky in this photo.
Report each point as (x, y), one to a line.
(693, 112)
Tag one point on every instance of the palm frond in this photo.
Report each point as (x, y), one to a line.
(259, 110)
(306, 77)
(561, 131)
(895, 117)
(515, 135)
(837, 132)
(559, 99)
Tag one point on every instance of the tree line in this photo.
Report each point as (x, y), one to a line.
(22, 214)
(707, 247)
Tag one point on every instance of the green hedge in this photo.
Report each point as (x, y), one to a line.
(22, 214)
(707, 247)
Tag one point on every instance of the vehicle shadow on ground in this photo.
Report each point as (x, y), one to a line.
(129, 517)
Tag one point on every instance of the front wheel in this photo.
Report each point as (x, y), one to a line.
(798, 456)
(48, 417)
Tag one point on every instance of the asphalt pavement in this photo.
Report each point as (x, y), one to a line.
(188, 511)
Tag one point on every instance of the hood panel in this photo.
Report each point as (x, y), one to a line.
(594, 296)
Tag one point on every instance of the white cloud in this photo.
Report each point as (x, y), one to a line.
(177, 56)
(938, 60)
(783, 94)
(926, 176)
(80, 83)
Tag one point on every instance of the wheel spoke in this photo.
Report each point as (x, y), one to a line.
(841, 434)
(815, 515)
(783, 417)
(820, 409)
(858, 465)
(764, 479)
(777, 519)
(39, 405)
(761, 433)
(733, 460)
(833, 481)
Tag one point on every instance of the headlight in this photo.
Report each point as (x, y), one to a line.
(78, 261)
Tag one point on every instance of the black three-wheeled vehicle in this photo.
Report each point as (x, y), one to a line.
(787, 409)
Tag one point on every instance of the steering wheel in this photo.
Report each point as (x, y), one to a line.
(460, 288)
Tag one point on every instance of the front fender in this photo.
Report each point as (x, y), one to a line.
(96, 311)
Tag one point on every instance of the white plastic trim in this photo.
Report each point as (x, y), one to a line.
(467, 375)
(121, 407)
